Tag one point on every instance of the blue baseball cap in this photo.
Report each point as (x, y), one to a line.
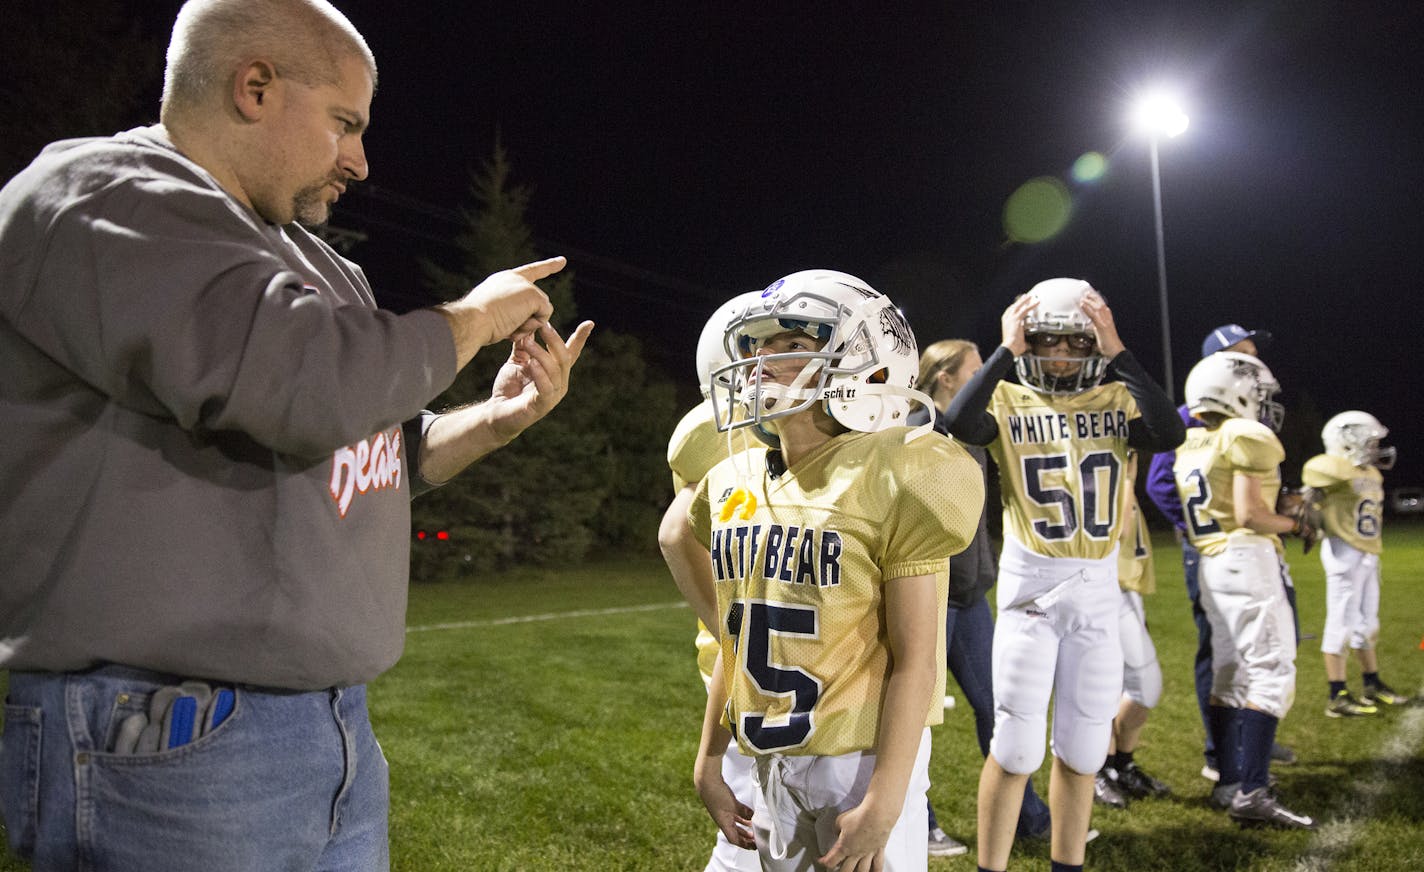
(1228, 335)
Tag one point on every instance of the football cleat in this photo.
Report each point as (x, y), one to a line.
(1260, 808)
(1382, 694)
(1282, 754)
(1106, 790)
(1138, 784)
(941, 845)
(1345, 705)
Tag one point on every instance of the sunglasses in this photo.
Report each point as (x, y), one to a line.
(1079, 341)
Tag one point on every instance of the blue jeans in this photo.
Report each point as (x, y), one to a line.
(1201, 665)
(969, 648)
(289, 781)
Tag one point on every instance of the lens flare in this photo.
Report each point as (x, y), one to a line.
(1089, 168)
(1038, 210)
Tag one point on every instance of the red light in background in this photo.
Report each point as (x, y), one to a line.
(442, 535)
(420, 534)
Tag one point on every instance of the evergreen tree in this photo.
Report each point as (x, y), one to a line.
(582, 478)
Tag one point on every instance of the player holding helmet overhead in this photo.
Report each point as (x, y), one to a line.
(829, 545)
(1347, 485)
(1228, 479)
(1061, 440)
(695, 447)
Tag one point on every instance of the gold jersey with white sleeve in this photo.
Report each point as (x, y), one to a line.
(801, 581)
(1062, 467)
(1351, 500)
(1205, 468)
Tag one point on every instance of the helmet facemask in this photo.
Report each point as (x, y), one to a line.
(1059, 313)
(863, 370)
(1037, 370)
(746, 377)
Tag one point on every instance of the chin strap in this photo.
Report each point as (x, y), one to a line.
(741, 496)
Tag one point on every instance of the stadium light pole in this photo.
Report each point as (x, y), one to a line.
(1159, 115)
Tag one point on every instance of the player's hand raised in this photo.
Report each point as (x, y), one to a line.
(1012, 323)
(1096, 308)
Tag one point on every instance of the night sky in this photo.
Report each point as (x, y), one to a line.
(680, 155)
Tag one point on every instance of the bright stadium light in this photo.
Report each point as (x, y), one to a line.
(1158, 115)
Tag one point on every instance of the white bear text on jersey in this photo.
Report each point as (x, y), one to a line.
(793, 555)
(1053, 427)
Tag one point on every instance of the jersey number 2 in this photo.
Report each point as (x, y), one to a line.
(1192, 510)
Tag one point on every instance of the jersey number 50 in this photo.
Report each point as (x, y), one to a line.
(1100, 497)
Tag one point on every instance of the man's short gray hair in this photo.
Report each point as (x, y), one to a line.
(306, 40)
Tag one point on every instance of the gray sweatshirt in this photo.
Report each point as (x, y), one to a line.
(205, 470)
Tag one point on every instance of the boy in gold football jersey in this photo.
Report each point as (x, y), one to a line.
(1061, 440)
(1228, 478)
(829, 545)
(1347, 485)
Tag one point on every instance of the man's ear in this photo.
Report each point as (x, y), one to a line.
(252, 87)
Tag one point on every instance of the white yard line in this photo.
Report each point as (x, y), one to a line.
(548, 616)
(1336, 837)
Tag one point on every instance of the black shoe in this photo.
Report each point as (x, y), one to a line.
(1282, 754)
(1344, 705)
(1106, 790)
(1260, 808)
(1382, 694)
(1223, 794)
(1138, 784)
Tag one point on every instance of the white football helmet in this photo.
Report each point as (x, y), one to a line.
(1059, 313)
(1356, 436)
(1235, 385)
(864, 372)
(711, 345)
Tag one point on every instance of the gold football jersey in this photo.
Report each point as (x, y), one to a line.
(1062, 467)
(694, 448)
(1352, 499)
(1206, 464)
(1134, 554)
(801, 582)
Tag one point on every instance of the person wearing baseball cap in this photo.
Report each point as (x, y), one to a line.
(1234, 337)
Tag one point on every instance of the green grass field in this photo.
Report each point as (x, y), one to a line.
(548, 721)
